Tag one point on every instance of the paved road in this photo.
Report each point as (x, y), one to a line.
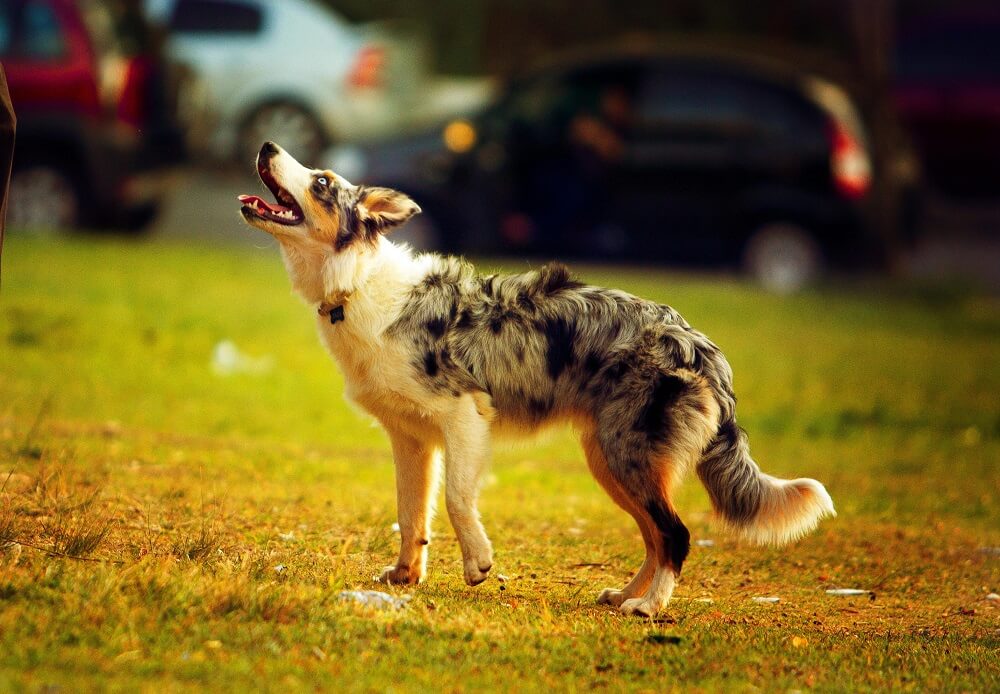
(202, 205)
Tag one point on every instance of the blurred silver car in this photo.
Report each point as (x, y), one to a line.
(292, 71)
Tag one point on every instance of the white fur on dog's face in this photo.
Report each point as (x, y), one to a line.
(327, 227)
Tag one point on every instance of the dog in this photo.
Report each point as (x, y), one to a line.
(445, 358)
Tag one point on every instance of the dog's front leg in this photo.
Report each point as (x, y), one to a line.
(417, 467)
(466, 444)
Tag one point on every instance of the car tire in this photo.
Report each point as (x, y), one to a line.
(783, 257)
(290, 125)
(43, 197)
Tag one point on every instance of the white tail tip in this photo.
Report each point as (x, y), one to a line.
(789, 510)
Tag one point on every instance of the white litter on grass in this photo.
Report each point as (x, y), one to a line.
(770, 599)
(707, 601)
(395, 527)
(374, 598)
(227, 359)
(847, 591)
(287, 537)
(705, 543)
(992, 596)
(280, 569)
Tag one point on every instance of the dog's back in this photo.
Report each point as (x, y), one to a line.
(546, 347)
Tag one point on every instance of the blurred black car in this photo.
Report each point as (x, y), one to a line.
(677, 157)
(947, 93)
(95, 114)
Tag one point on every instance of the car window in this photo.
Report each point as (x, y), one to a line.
(216, 17)
(547, 104)
(682, 97)
(5, 33)
(31, 30)
(532, 101)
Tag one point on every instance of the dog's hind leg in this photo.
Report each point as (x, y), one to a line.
(598, 465)
(417, 473)
(672, 548)
(648, 442)
(466, 446)
(643, 482)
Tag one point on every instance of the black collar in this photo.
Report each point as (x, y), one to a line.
(336, 313)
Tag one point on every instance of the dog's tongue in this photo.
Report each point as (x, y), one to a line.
(255, 201)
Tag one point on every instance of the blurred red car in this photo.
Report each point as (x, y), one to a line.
(93, 118)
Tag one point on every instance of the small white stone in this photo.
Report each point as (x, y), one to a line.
(375, 599)
(847, 591)
(768, 599)
(992, 596)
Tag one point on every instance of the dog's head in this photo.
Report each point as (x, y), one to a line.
(326, 226)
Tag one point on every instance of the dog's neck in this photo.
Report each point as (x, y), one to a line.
(360, 284)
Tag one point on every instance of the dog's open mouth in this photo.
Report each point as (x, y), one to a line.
(285, 211)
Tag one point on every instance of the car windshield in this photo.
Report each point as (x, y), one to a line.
(30, 29)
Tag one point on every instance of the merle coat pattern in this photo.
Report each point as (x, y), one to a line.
(446, 358)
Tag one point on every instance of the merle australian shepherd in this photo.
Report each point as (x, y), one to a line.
(445, 358)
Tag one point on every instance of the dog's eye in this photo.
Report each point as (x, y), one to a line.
(322, 180)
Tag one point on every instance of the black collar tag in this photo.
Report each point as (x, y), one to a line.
(336, 313)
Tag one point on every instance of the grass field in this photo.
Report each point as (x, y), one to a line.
(164, 527)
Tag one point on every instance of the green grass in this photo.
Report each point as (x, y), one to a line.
(149, 500)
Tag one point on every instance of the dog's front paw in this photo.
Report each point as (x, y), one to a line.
(611, 596)
(400, 575)
(477, 571)
(640, 607)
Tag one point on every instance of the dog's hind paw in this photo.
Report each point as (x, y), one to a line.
(611, 596)
(400, 575)
(640, 607)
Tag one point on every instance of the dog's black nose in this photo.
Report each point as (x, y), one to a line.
(268, 148)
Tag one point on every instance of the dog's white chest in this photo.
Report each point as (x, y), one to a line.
(376, 371)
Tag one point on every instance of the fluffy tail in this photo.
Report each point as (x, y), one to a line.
(761, 508)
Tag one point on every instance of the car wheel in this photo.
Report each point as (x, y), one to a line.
(43, 197)
(783, 257)
(293, 127)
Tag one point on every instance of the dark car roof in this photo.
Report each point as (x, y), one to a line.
(786, 72)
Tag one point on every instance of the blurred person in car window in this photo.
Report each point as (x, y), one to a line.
(599, 135)
(592, 126)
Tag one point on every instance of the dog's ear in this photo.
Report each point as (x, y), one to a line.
(383, 209)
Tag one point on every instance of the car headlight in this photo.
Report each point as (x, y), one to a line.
(459, 136)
